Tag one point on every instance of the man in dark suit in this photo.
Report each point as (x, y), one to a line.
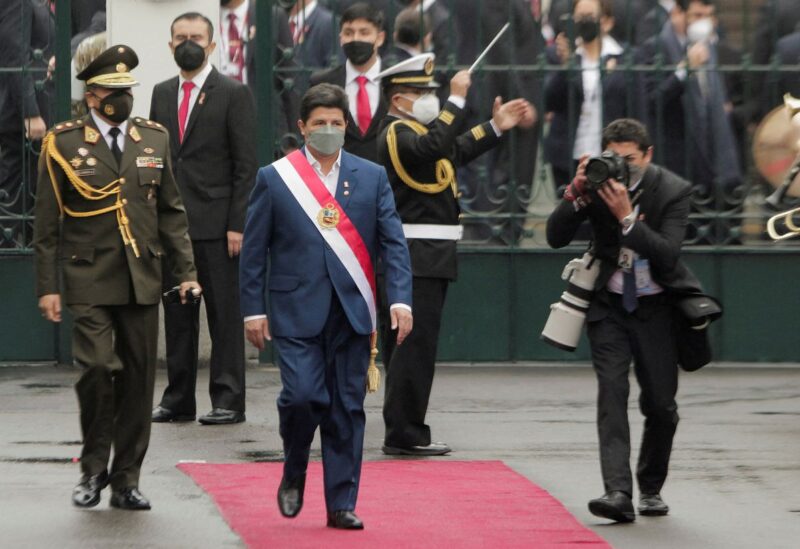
(510, 166)
(321, 217)
(361, 34)
(688, 107)
(638, 231)
(592, 92)
(25, 108)
(108, 214)
(420, 146)
(211, 121)
(314, 37)
(238, 56)
(412, 36)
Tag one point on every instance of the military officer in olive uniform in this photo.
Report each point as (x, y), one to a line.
(420, 148)
(108, 214)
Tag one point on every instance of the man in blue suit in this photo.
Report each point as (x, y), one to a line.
(320, 217)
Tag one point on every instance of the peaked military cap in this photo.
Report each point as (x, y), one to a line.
(416, 72)
(111, 69)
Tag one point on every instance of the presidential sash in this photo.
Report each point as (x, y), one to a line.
(332, 222)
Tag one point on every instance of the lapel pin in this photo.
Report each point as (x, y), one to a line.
(346, 184)
(202, 98)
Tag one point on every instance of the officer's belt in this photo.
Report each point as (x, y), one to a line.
(433, 232)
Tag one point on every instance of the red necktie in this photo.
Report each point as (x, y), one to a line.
(235, 46)
(364, 112)
(293, 30)
(536, 9)
(183, 110)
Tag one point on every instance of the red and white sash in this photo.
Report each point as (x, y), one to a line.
(331, 221)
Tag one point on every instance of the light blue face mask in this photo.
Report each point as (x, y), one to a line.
(326, 140)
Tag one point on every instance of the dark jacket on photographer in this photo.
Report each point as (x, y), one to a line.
(656, 236)
(647, 333)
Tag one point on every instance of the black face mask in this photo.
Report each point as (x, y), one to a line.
(587, 29)
(116, 106)
(358, 52)
(189, 55)
(286, 4)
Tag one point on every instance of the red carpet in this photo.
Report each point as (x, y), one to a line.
(404, 504)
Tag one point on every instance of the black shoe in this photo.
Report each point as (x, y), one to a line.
(290, 496)
(344, 520)
(130, 499)
(616, 506)
(651, 505)
(163, 415)
(87, 492)
(432, 449)
(220, 416)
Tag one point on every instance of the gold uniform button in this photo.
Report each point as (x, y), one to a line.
(121, 180)
(74, 257)
(124, 200)
(460, 194)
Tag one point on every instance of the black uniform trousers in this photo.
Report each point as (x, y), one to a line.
(218, 274)
(646, 337)
(117, 347)
(324, 384)
(410, 367)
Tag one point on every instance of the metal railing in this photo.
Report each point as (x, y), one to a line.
(508, 193)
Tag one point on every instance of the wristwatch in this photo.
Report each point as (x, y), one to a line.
(628, 220)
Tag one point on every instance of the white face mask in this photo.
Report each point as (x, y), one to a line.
(425, 109)
(701, 30)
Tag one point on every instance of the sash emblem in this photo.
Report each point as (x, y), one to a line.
(328, 217)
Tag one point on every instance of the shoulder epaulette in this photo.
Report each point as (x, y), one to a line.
(69, 125)
(144, 123)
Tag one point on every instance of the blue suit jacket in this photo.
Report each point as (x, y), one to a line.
(303, 270)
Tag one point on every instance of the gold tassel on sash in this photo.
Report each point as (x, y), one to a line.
(373, 374)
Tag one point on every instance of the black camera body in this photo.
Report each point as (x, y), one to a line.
(608, 165)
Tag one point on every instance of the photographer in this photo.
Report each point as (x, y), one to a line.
(638, 218)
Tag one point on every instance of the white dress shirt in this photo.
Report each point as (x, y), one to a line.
(199, 80)
(227, 67)
(331, 179)
(373, 86)
(590, 123)
(104, 127)
(645, 285)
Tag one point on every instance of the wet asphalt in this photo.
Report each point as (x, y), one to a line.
(734, 480)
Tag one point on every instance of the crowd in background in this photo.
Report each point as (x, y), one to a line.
(580, 62)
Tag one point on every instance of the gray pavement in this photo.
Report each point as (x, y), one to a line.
(734, 482)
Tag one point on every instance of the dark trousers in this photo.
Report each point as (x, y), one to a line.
(16, 198)
(324, 384)
(117, 348)
(410, 366)
(218, 274)
(646, 337)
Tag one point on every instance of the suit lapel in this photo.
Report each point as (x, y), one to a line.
(348, 181)
(204, 97)
(173, 100)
